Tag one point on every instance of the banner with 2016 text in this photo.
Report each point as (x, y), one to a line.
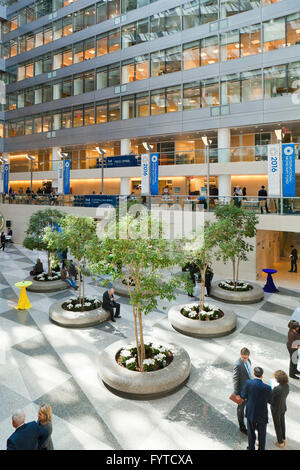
(274, 171)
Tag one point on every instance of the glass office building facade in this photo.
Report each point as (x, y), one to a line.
(115, 73)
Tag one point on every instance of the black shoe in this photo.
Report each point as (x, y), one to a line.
(118, 316)
(113, 320)
(244, 431)
(294, 377)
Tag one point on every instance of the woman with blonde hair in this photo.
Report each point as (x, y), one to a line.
(45, 420)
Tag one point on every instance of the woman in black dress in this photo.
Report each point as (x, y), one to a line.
(278, 406)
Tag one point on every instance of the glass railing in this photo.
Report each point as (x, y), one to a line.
(182, 157)
(267, 206)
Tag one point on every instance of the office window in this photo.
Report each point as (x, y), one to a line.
(67, 25)
(89, 49)
(128, 71)
(229, 8)
(251, 85)
(21, 100)
(274, 34)
(230, 45)
(58, 29)
(209, 51)
(47, 123)
(208, 10)
(28, 126)
(113, 75)
(21, 73)
(293, 29)
(173, 59)
(113, 8)
(56, 121)
(101, 11)
(67, 87)
(157, 63)
(141, 67)
(57, 90)
(48, 35)
(38, 95)
(78, 84)
(275, 81)
(47, 93)
(250, 37)
(77, 53)
(89, 82)
(210, 92)
(102, 45)
(89, 116)
(128, 35)
(22, 44)
(173, 99)
(29, 70)
(37, 125)
(191, 14)
(231, 89)
(114, 110)
(191, 55)
(78, 117)
(20, 128)
(57, 61)
(128, 107)
(89, 16)
(157, 25)
(78, 21)
(114, 41)
(13, 48)
(293, 77)
(191, 96)
(158, 102)
(142, 31)
(101, 78)
(173, 20)
(66, 119)
(142, 105)
(38, 39)
(101, 113)
(47, 63)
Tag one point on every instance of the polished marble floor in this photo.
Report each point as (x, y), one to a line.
(41, 362)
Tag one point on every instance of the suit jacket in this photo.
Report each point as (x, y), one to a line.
(107, 302)
(294, 254)
(258, 395)
(29, 436)
(279, 396)
(240, 376)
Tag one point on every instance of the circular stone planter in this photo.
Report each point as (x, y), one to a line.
(120, 288)
(143, 385)
(202, 329)
(68, 319)
(46, 286)
(251, 296)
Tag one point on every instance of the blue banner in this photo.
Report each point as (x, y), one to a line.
(154, 174)
(288, 170)
(117, 162)
(6, 178)
(95, 200)
(67, 166)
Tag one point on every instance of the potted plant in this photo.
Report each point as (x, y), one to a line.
(129, 252)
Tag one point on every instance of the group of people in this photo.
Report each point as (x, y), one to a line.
(35, 435)
(252, 395)
(195, 275)
(68, 271)
(51, 193)
(4, 238)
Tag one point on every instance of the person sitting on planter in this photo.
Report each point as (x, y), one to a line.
(208, 278)
(37, 269)
(65, 276)
(72, 270)
(193, 270)
(110, 304)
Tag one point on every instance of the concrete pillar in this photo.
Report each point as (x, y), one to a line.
(55, 158)
(125, 186)
(125, 146)
(224, 156)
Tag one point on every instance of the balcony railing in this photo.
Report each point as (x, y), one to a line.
(180, 157)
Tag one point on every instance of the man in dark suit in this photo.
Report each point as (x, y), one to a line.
(242, 372)
(262, 196)
(294, 259)
(258, 395)
(27, 436)
(110, 304)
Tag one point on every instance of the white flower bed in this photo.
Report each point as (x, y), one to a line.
(240, 287)
(158, 357)
(44, 277)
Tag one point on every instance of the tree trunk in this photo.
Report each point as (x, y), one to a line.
(233, 269)
(83, 285)
(79, 283)
(202, 290)
(237, 271)
(142, 346)
(49, 264)
(135, 322)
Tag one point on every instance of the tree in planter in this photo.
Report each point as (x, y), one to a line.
(140, 261)
(38, 223)
(199, 251)
(236, 227)
(78, 235)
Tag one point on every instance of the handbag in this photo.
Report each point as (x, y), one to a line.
(236, 400)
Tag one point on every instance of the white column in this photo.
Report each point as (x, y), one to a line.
(55, 158)
(125, 146)
(224, 156)
(125, 186)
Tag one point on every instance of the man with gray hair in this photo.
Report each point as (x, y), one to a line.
(27, 436)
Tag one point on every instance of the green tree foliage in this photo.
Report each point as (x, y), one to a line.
(79, 236)
(34, 235)
(235, 227)
(142, 262)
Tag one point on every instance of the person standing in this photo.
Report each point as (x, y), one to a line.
(110, 304)
(45, 420)
(293, 344)
(241, 373)
(27, 436)
(258, 395)
(262, 196)
(294, 259)
(3, 241)
(278, 406)
(208, 278)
